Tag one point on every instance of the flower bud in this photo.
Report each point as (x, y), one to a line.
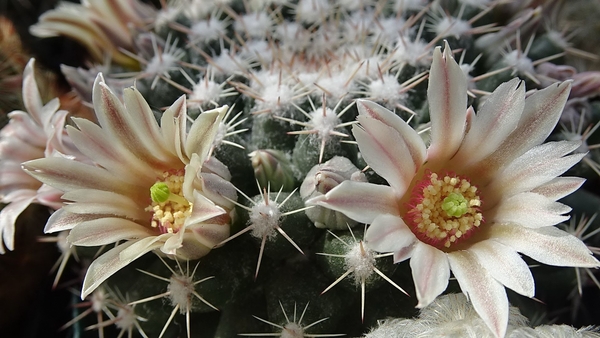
(322, 178)
(272, 167)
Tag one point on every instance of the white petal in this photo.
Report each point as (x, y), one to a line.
(172, 120)
(13, 179)
(537, 166)
(192, 169)
(24, 129)
(430, 271)
(540, 115)
(529, 210)
(211, 232)
(107, 265)
(144, 245)
(61, 220)
(8, 217)
(95, 143)
(404, 254)
(386, 152)
(32, 99)
(214, 166)
(173, 243)
(548, 245)
(359, 200)
(147, 131)
(218, 190)
(202, 133)
(107, 230)
(14, 149)
(204, 209)
(413, 141)
(50, 197)
(493, 123)
(192, 249)
(90, 201)
(66, 175)
(447, 97)
(559, 187)
(505, 265)
(486, 294)
(388, 233)
(113, 117)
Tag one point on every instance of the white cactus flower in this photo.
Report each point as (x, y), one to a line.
(484, 190)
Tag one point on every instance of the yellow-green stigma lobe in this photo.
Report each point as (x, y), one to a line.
(444, 210)
(169, 208)
(455, 205)
(159, 192)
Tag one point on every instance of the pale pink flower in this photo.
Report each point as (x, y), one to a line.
(36, 133)
(104, 27)
(484, 190)
(151, 188)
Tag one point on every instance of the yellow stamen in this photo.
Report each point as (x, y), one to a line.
(444, 210)
(170, 209)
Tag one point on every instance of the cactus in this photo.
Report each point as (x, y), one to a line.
(247, 122)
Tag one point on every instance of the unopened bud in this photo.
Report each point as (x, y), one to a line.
(273, 168)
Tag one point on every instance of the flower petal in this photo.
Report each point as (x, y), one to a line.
(447, 96)
(148, 131)
(497, 118)
(62, 220)
(548, 245)
(505, 265)
(107, 230)
(118, 123)
(13, 179)
(486, 294)
(91, 140)
(404, 254)
(412, 140)
(559, 187)
(171, 124)
(529, 210)
(8, 217)
(218, 190)
(192, 248)
(204, 209)
(211, 232)
(50, 197)
(66, 175)
(360, 201)
(384, 149)
(388, 233)
(430, 271)
(202, 133)
(91, 201)
(32, 100)
(173, 243)
(144, 245)
(537, 166)
(109, 263)
(540, 115)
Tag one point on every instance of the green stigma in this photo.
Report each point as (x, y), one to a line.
(455, 205)
(159, 192)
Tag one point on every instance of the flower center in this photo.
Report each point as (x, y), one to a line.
(444, 211)
(170, 209)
